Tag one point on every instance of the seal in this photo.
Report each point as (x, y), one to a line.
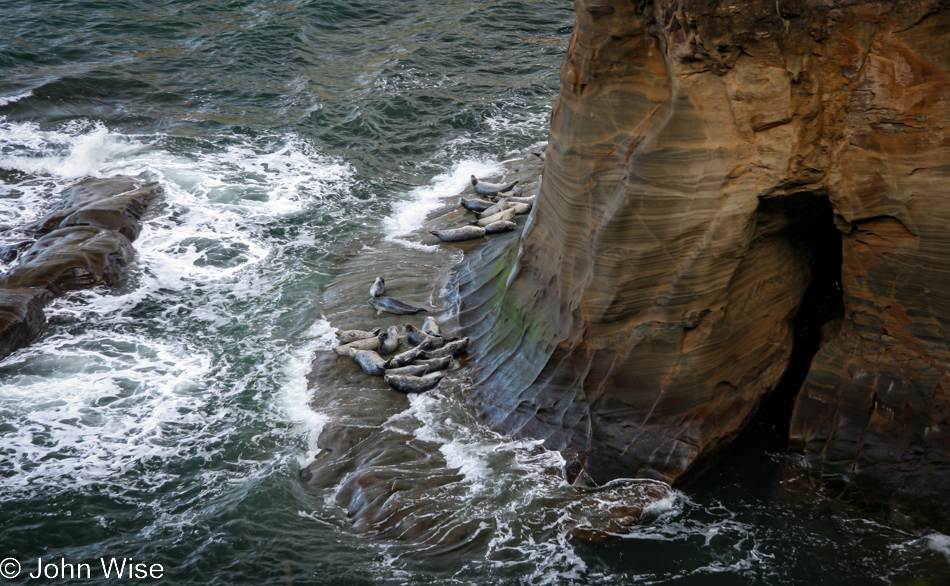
(431, 327)
(389, 340)
(369, 361)
(378, 289)
(520, 208)
(364, 344)
(459, 234)
(391, 305)
(475, 205)
(453, 349)
(440, 363)
(500, 216)
(414, 384)
(483, 188)
(527, 200)
(417, 336)
(501, 206)
(502, 226)
(347, 336)
(406, 358)
(412, 370)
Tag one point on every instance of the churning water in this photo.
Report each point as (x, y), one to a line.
(167, 420)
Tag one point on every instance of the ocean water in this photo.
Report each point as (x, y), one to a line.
(166, 420)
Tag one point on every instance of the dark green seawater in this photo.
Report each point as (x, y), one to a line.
(167, 420)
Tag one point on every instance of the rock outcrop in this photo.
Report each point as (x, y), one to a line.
(707, 163)
(84, 241)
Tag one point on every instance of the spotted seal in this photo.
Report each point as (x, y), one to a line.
(362, 344)
(406, 358)
(369, 361)
(434, 364)
(528, 200)
(501, 206)
(459, 234)
(417, 336)
(500, 216)
(475, 205)
(347, 336)
(453, 349)
(483, 188)
(502, 226)
(431, 327)
(379, 288)
(389, 340)
(414, 384)
(392, 305)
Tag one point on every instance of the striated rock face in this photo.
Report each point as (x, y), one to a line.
(875, 409)
(707, 163)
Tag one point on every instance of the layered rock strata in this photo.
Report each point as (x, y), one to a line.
(705, 160)
(84, 241)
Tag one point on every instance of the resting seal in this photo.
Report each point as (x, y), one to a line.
(528, 200)
(501, 206)
(434, 364)
(453, 349)
(412, 370)
(417, 336)
(483, 188)
(369, 361)
(406, 358)
(391, 305)
(414, 384)
(459, 234)
(500, 216)
(347, 336)
(475, 205)
(502, 226)
(363, 344)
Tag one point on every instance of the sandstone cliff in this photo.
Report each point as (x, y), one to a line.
(708, 162)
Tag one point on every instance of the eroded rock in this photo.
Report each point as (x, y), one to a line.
(21, 317)
(112, 203)
(698, 155)
(72, 258)
(86, 242)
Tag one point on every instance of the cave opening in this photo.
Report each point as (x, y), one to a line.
(809, 227)
(812, 228)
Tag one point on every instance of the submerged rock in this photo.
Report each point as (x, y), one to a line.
(704, 167)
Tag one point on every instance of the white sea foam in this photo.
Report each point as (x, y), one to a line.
(939, 542)
(410, 215)
(91, 406)
(4, 100)
(513, 488)
(86, 154)
(296, 394)
(121, 393)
